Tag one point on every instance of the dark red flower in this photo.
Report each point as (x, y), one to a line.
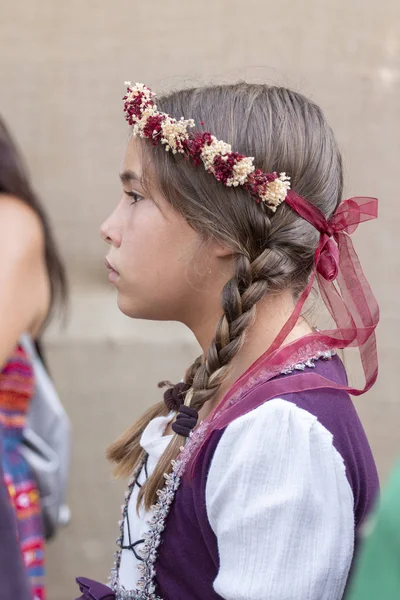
(194, 145)
(133, 107)
(223, 165)
(152, 129)
(258, 182)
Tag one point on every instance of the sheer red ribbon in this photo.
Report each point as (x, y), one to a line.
(351, 303)
(349, 300)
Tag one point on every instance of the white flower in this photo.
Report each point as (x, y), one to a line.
(241, 170)
(276, 191)
(174, 132)
(209, 152)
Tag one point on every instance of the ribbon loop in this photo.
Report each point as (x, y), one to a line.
(328, 262)
(352, 212)
(348, 215)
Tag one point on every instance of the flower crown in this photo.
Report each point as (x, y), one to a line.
(230, 168)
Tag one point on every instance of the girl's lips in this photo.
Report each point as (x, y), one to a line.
(109, 266)
(113, 275)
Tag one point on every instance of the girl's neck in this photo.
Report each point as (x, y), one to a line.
(271, 314)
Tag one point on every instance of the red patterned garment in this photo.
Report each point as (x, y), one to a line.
(16, 391)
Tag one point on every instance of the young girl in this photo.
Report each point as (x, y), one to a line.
(251, 478)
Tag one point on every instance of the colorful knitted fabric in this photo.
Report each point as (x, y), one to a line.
(16, 391)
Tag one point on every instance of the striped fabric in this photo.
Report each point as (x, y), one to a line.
(16, 390)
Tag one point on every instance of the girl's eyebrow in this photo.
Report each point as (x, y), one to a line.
(128, 176)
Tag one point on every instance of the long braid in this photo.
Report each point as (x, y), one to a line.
(239, 297)
(192, 370)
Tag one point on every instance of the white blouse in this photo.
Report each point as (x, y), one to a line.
(154, 442)
(278, 501)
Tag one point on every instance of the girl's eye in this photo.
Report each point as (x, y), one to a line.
(136, 197)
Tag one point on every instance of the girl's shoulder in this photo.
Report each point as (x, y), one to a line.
(332, 408)
(307, 428)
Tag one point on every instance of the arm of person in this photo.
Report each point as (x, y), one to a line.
(13, 578)
(21, 273)
(281, 507)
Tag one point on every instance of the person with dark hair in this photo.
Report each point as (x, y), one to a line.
(32, 281)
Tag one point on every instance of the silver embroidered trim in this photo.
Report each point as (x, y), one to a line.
(152, 538)
(160, 510)
(325, 355)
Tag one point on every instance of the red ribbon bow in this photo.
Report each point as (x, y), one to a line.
(349, 214)
(351, 302)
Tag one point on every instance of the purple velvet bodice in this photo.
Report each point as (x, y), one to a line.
(188, 560)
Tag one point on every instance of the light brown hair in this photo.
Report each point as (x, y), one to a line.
(283, 131)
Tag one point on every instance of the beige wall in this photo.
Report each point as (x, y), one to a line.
(63, 65)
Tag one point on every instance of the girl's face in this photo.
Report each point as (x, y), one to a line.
(161, 268)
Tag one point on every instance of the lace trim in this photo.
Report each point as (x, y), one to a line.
(301, 366)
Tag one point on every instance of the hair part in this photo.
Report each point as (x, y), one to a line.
(283, 131)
